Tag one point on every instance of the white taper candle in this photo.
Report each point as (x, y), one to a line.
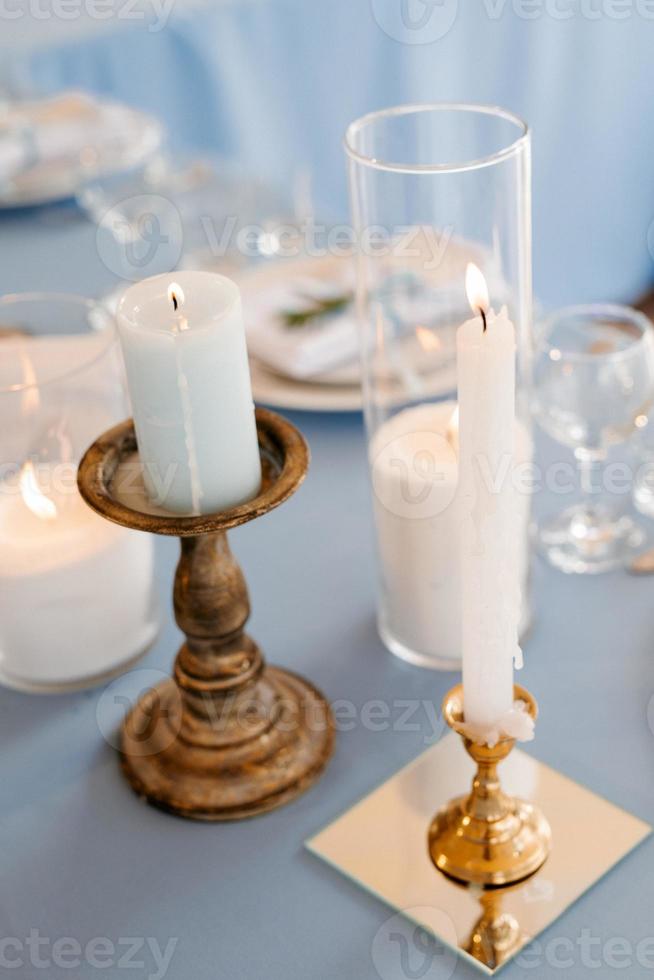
(490, 592)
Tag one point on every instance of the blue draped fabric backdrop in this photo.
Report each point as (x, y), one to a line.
(273, 83)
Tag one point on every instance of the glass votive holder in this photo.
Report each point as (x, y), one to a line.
(76, 592)
(434, 189)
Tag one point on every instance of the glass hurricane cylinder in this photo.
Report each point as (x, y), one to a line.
(76, 593)
(433, 189)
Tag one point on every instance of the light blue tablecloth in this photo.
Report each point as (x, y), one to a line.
(81, 857)
(273, 84)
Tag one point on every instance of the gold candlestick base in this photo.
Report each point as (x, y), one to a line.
(227, 736)
(496, 935)
(487, 838)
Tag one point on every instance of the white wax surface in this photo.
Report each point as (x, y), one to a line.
(75, 592)
(490, 593)
(189, 384)
(418, 533)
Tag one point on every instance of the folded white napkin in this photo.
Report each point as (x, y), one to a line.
(307, 349)
(72, 126)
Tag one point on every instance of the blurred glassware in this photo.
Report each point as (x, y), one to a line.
(593, 389)
(76, 593)
(49, 148)
(644, 481)
(227, 219)
(643, 488)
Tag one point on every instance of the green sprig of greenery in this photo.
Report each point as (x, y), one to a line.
(319, 308)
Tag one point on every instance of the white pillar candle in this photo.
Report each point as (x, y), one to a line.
(414, 468)
(183, 342)
(414, 476)
(490, 596)
(75, 590)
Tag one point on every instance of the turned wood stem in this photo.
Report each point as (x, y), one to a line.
(218, 660)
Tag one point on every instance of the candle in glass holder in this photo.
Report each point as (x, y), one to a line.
(415, 467)
(184, 347)
(75, 591)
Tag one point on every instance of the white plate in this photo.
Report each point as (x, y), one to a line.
(276, 391)
(64, 177)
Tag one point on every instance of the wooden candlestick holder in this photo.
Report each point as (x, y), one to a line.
(227, 737)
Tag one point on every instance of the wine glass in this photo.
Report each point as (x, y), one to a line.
(593, 389)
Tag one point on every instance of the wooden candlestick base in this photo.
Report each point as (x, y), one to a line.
(226, 737)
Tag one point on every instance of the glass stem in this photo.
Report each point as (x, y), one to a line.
(590, 480)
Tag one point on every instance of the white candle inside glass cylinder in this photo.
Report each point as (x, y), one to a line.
(414, 468)
(490, 594)
(75, 590)
(183, 342)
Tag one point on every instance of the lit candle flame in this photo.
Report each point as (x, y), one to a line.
(427, 340)
(476, 289)
(175, 295)
(38, 503)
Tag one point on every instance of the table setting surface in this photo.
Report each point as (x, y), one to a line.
(81, 856)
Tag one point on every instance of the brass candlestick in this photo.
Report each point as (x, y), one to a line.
(487, 838)
(226, 737)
